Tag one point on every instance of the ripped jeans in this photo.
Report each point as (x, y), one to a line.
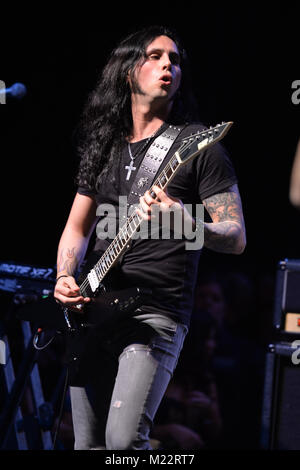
(116, 412)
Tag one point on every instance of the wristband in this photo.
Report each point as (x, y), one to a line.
(63, 275)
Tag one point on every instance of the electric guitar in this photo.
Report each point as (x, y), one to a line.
(128, 299)
(107, 306)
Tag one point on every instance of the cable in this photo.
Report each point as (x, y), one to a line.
(36, 338)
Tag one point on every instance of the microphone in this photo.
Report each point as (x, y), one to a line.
(17, 90)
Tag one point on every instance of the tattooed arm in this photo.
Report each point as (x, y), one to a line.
(226, 232)
(72, 248)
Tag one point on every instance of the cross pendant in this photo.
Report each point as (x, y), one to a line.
(129, 169)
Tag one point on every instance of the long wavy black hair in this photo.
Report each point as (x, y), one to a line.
(106, 120)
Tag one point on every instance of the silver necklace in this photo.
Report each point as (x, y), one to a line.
(130, 168)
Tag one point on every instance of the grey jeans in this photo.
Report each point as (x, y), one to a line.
(116, 412)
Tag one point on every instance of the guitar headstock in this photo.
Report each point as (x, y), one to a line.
(194, 144)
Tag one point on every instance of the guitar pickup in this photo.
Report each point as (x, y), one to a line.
(93, 280)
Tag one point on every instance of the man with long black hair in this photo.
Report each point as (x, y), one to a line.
(143, 89)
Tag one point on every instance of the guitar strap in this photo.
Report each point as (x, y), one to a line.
(152, 160)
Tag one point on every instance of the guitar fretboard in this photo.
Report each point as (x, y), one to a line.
(129, 229)
(189, 148)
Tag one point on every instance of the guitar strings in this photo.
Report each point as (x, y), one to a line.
(185, 145)
(124, 231)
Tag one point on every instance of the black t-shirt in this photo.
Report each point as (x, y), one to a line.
(165, 265)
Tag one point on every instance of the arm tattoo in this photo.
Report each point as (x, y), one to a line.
(68, 261)
(224, 207)
(226, 233)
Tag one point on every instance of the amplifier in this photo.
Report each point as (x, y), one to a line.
(287, 298)
(281, 412)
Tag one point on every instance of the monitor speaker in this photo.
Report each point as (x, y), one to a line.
(281, 400)
(287, 299)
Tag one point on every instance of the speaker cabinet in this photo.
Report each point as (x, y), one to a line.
(281, 400)
(287, 299)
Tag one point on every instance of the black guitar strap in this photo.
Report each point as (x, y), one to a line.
(151, 163)
(149, 167)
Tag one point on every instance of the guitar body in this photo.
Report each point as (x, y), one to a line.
(99, 321)
(85, 331)
(109, 304)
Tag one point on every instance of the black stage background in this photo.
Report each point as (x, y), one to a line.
(244, 61)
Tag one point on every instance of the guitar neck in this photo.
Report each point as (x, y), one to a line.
(189, 149)
(127, 231)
